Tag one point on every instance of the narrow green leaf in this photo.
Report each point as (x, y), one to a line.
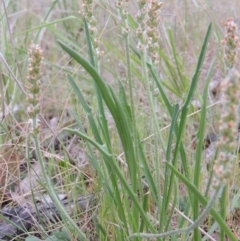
(177, 62)
(32, 238)
(120, 175)
(172, 127)
(125, 134)
(191, 187)
(94, 74)
(156, 79)
(185, 110)
(124, 103)
(200, 138)
(167, 173)
(161, 89)
(43, 25)
(147, 173)
(199, 67)
(89, 44)
(102, 148)
(102, 116)
(86, 108)
(46, 18)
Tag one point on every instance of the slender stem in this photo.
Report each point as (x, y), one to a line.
(223, 207)
(50, 187)
(157, 133)
(134, 175)
(130, 84)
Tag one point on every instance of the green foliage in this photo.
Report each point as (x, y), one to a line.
(60, 235)
(121, 113)
(132, 116)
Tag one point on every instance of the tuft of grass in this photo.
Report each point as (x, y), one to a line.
(126, 106)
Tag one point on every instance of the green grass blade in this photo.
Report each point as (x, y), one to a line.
(177, 62)
(100, 147)
(47, 25)
(108, 157)
(161, 89)
(86, 108)
(45, 19)
(199, 67)
(115, 108)
(125, 133)
(93, 160)
(89, 44)
(125, 105)
(123, 127)
(191, 187)
(119, 173)
(223, 209)
(185, 109)
(101, 112)
(148, 174)
(100, 229)
(94, 74)
(172, 127)
(167, 173)
(200, 139)
(156, 79)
